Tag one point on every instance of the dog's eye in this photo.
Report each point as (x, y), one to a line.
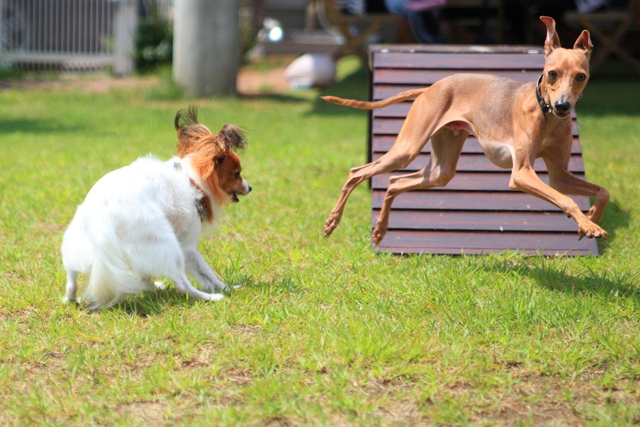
(552, 75)
(237, 174)
(580, 77)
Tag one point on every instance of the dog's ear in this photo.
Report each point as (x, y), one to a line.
(186, 118)
(553, 41)
(232, 138)
(218, 159)
(584, 43)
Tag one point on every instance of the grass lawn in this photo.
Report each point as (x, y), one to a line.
(323, 331)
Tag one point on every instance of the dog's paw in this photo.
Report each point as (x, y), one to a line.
(215, 297)
(591, 230)
(377, 235)
(159, 285)
(594, 215)
(329, 225)
(66, 300)
(221, 287)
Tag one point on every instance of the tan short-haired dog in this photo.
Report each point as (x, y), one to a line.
(514, 123)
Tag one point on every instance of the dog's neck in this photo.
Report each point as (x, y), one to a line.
(202, 203)
(546, 108)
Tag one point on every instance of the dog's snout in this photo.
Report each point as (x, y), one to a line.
(563, 106)
(249, 188)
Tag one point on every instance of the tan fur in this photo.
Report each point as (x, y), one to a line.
(510, 125)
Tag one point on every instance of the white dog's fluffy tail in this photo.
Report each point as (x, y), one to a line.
(111, 278)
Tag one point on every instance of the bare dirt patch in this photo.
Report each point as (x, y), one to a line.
(263, 78)
(86, 84)
(146, 413)
(262, 82)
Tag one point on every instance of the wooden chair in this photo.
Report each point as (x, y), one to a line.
(354, 28)
(476, 212)
(607, 29)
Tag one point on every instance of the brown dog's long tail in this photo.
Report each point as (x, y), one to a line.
(364, 105)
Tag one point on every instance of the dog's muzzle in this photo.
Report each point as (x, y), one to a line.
(234, 195)
(562, 108)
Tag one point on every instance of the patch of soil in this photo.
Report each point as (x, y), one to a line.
(102, 84)
(264, 78)
(261, 82)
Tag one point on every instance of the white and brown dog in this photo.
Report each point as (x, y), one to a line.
(144, 221)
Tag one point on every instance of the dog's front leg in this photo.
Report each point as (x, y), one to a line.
(525, 179)
(565, 182)
(198, 267)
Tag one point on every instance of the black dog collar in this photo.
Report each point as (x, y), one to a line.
(546, 108)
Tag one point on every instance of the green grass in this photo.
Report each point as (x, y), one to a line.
(323, 331)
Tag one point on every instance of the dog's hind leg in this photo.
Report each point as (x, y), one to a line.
(446, 146)
(414, 134)
(71, 287)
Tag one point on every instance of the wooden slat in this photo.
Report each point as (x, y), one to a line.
(401, 110)
(481, 163)
(444, 242)
(455, 49)
(427, 77)
(479, 221)
(383, 143)
(473, 201)
(465, 181)
(466, 61)
(385, 126)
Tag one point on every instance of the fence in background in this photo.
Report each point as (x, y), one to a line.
(73, 34)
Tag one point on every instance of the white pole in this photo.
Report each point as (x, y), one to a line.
(125, 23)
(206, 46)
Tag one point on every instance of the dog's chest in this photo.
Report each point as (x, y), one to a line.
(498, 152)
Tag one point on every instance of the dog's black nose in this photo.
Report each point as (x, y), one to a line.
(563, 106)
(249, 190)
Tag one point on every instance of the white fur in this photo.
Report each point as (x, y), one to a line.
(137, 224)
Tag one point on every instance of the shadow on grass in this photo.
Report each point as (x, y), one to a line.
(32, 126)
(610, 97)
(146, 304)
(152, 303)
(274, 97)
(615, 218)
(614, 69)
(555, 277)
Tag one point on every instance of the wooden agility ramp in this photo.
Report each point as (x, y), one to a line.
(476, 212)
